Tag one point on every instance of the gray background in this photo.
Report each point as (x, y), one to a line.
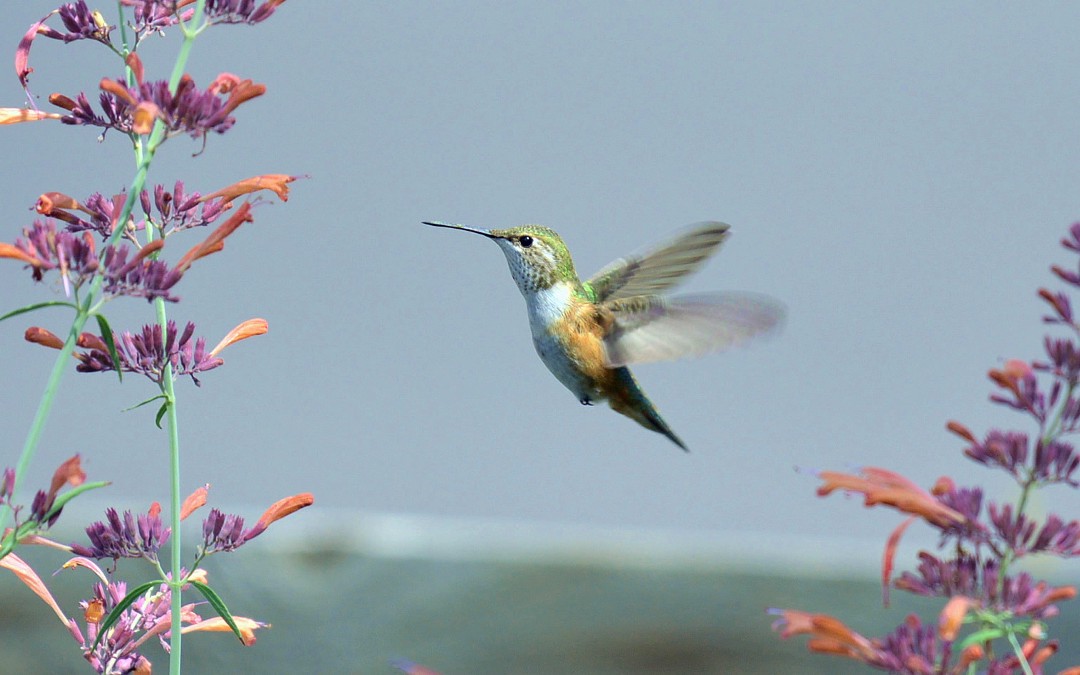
(898, 175)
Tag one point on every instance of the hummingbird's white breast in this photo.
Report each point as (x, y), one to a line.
(547, 309)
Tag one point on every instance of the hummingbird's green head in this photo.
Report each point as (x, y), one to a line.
(537, 256)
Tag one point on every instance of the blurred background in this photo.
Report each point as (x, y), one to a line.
(897, 175)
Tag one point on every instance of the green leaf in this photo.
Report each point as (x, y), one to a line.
(107, 337)
(114, 616)
(161, 413)
(980, 636)
(219, 606)
(40, 305)
(72, 494)
(147, 401)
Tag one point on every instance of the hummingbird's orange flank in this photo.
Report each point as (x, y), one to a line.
(588, 332)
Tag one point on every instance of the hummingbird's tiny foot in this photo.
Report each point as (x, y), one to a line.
(586, 401)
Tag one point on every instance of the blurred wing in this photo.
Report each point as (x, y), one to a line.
(659, 269)
(650, 329)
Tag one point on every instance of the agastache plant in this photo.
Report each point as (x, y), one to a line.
(995, 618)
(104, 247)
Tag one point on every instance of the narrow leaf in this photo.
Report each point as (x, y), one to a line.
(219, 606)
(979, 636)
(72, 494)
(146, 402)
(161, 413)
(40, 305)
(107, 337)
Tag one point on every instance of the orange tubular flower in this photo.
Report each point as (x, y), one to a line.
(16, 115)
(194, 501)
(828, 635)
(880, 486)
(276, 182)
(249, 328)
(247, 627)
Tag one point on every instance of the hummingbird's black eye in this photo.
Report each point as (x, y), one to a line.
(525, 241)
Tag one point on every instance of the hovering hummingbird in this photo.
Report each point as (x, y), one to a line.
(588, 332)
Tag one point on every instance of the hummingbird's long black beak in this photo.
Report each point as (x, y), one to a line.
(460, 227)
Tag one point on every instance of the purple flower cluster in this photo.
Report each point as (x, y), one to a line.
(127, 537)
(148, 17)
(1023, 536)
(224, 532)
(41, 515)
(44, 249)
(138, 277)
(81, 24)
(178, 210)
(982, 544)
(148, 352)
(149, 615)
(190, 110)
(964, 575)
(103, 213)
(154, 16)
(913, 647)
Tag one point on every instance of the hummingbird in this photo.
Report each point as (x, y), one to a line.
(588, 332)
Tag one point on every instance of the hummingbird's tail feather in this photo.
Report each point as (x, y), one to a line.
(628, 399)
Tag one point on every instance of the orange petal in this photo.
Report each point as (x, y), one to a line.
(1018, 368)
(972, 654)
(247, 627)
(194, 501)
(16, 115)
(143, 666)
(961, 431)
(70, 472)
(1043, 654)
(9, 251)
(216, 240)
(1060, 593)
(38, 540)
(50, 201)
(43, 337)
(22, 52)
(87, 563)
(144, 116)
(830, 646)
(118, 90)
(91, 341)
(61, 101)
(242, 92)
(284, 507)
(95, 611)
(29, 577)
(889, 556)
(249, 328)
(277, 182)
(952, 617)
(224, 83)
(135, 63)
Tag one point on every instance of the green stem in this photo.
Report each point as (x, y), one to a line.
(45, 407)
(1019, 651)
(1054, 429)
(176, 582)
